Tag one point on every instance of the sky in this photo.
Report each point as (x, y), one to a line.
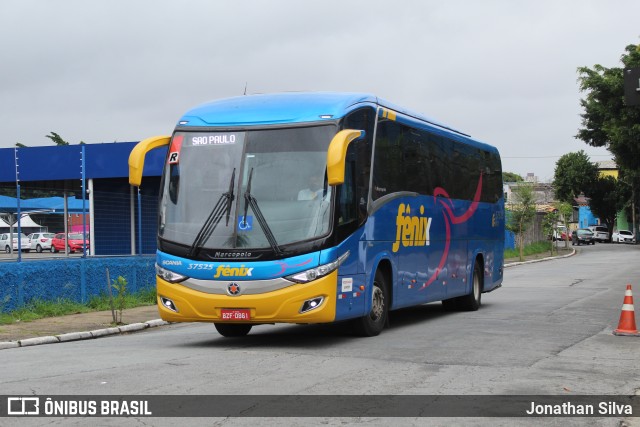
(503, 71)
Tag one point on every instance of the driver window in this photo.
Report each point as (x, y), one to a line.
(347, 201)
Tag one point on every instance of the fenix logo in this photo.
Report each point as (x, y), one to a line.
(411, 230)
(228, 271)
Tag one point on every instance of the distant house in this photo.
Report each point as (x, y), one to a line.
(585, 217)
(544, 197)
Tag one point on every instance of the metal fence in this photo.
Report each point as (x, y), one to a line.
(112, 220)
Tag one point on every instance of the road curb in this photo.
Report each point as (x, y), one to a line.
(533, 261)
(77, 336)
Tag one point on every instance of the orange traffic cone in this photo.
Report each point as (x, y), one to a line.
(627, 324)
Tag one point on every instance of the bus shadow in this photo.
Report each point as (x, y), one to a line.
(284, 336)
(322, 335)
(417, 314)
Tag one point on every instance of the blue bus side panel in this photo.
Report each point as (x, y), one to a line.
(435, 262)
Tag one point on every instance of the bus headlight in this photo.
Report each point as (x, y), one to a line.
(317, 272)
(169, 276)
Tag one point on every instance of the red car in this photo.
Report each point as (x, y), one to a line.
(76, 243)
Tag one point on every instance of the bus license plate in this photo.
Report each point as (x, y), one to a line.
(235, 314)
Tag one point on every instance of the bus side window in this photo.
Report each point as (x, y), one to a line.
(174, 183)
(346, 206)
(347, 203)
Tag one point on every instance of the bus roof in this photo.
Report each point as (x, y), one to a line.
(283, 108)
(291, 108)
(278, 108)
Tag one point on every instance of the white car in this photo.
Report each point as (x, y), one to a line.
(5, 244)
(40, 241)
(600, 233)
(623, 236)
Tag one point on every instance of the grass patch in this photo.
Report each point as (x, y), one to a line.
(144, 297)
(39, 309)
(531, 249)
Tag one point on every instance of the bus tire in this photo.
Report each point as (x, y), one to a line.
(373, 323)
(473, 300)
(231, 330)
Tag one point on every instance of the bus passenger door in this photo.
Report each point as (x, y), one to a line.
(351, 277)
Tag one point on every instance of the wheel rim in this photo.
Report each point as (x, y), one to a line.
(476, 287)
(377, 303)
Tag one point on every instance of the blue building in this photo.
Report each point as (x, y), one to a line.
(122, 219)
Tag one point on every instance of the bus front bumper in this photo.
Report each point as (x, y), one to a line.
(280, 306)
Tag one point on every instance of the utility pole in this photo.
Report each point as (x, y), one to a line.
(632, 98)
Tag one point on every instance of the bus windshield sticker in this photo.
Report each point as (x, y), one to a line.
(174, 151)
(245, 225)
(220, 139)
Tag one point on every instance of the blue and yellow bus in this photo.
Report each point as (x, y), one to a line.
(321, 207)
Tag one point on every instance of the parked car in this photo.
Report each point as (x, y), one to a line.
(560, 233)
(600, 233)
(76, 243)
(6, 245)
(623, 236)
(582, 235)
(40, 241)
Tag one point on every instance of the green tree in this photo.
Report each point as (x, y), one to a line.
(608, 197)
(19, 145)
(607, 121)
(566, 211)
(511, 177)
(521, 212)
(574, 174)
(57, 139)
(550, 225)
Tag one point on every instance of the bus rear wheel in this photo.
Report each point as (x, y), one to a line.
(373, 323)
(231, 330)
(473, 300)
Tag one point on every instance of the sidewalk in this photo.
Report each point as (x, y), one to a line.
(95, 324)
(77, 326)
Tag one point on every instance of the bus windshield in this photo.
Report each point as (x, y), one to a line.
(246, 189)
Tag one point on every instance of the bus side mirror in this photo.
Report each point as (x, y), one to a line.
(136, 158)
(337, 154)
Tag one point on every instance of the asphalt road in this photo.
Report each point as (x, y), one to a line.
(548, 330)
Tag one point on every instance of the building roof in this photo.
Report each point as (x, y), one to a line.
(607, 164)
(582, 200)
(52, 163)
(43, 204)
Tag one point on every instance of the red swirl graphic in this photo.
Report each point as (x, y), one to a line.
(284, 266)
(443, 197)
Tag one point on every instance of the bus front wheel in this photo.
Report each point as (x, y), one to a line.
(233, 329)
(373, 323)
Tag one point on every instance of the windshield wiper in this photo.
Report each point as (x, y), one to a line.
(222, 206)
(249, 200)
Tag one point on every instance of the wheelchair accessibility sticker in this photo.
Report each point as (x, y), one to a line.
(245, 225)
